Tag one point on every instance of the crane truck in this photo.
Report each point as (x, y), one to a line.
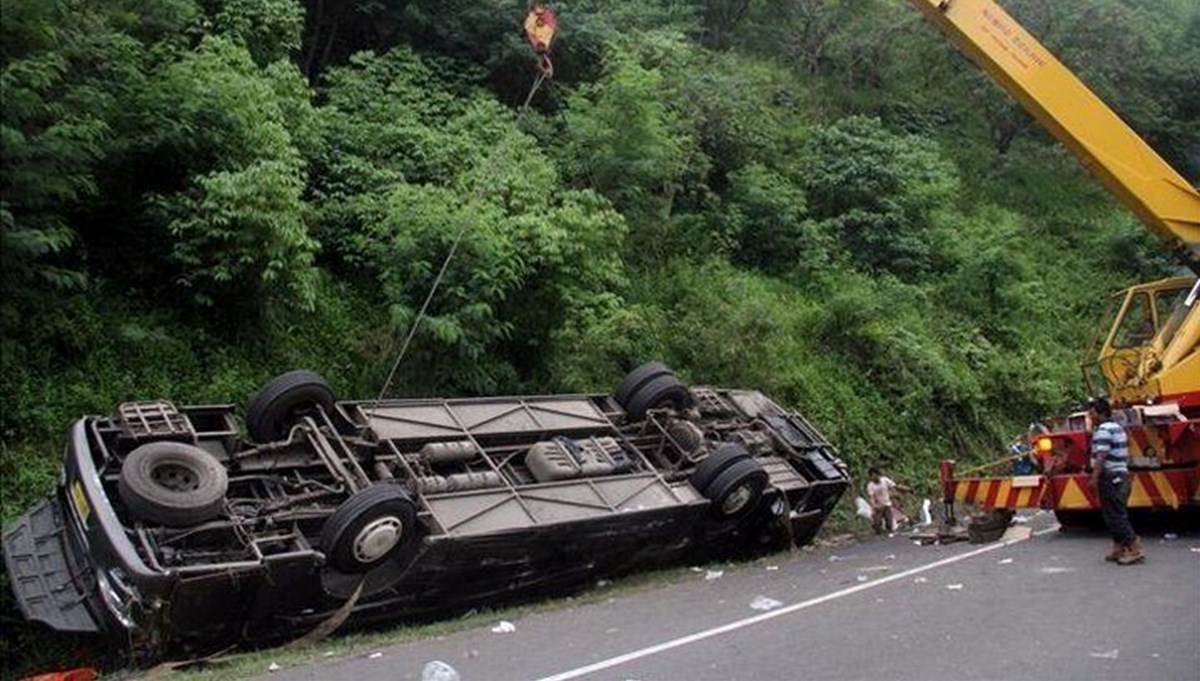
(1143, 353)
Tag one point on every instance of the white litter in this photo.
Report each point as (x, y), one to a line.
(1020, 519)
(954, 587)
(917, 543)
(439, 671)
(327, 653)
(926, 516)
(920, 580)
(862, 508)
(374, 656)
(1170, 536)
(1017, 533)
(696, 568)
(1110, 655)
(890, 556)
(602, 583)
(1195, 549)
(505, 627)
(1005, 561)
(834, 558)
(764, 603)
(862, 578)
(273, 667)
(875, 568)
(772, 568)
(713, 574)
(611, 630)
(1054, 570)
(472, 653)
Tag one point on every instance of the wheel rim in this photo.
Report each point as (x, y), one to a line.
(737, 499)
(377, 538)
(175, 477)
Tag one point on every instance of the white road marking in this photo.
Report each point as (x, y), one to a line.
(756, 619)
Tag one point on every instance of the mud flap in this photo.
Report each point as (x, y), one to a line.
(35, 547)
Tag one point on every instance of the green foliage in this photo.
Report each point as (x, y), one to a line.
(624, 140)
(769, 216)
(876, 192)
(269, 29)
(238, 220)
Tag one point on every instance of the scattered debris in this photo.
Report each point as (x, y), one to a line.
(327, 653)
(1017, 532)
(439, 671)
(764, 603)
(1195, 549)
(1020, 520)
(926, 516)
(1005, 561)
(890, 556)
(602, 583)
(1109, 655)
(954, 587)
(273, 667)
(696, 568)
(943, 534)
(713, 574)
(772, 568)
(862, 578)
(920, 580)
(505, 627)
(1055, 570)
(837, 541)
(862, 508)
(1170, 536)
(374, 656)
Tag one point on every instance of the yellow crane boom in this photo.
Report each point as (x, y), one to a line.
(1103, 143)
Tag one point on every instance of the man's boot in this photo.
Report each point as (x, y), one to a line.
(1132, 553)
(1115, 552)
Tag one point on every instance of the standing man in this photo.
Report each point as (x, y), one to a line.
(879, 491)
(1110, 479)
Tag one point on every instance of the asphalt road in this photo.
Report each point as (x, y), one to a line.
(1044, 608)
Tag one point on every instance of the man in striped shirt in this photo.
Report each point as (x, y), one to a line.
(1110, 478)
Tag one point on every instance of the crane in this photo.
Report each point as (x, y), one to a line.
(1145, 349)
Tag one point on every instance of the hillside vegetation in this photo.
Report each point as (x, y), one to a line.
(817, 198)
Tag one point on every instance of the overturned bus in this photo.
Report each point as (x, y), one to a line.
(175, 531)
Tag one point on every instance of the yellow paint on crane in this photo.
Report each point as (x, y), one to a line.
(1140, 495)
(1073, 496)
(1102, 142)
(1024, 496)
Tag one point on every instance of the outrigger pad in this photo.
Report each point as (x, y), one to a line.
(34, 554)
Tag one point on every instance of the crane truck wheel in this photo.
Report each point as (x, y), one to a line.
(1079, 521)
